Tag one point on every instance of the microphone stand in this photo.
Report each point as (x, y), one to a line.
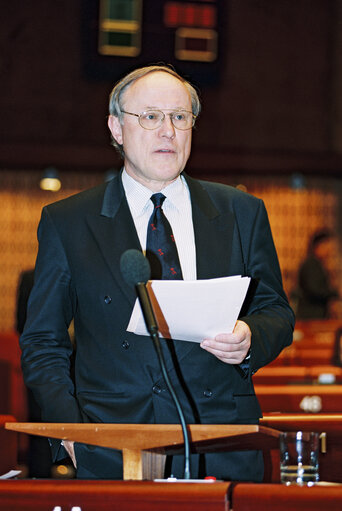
(152, 327)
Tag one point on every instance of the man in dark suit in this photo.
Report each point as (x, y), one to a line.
(25, 285)
(219, 231)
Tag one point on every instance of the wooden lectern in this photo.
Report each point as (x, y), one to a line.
(134, 439)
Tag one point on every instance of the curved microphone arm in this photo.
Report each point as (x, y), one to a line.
(156, 342)
(152, 327)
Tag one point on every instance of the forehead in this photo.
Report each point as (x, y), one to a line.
(158, 89)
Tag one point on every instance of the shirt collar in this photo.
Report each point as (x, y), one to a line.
(138, 195)
(177, 192)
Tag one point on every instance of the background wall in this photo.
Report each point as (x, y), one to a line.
(276, 107)
(273, 117)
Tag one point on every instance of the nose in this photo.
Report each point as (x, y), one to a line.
(167, 129)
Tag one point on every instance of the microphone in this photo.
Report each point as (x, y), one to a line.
(136, 271)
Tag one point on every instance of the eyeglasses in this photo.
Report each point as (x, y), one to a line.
(153, 119)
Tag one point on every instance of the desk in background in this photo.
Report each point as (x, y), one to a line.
(289, 375)
(300, 398)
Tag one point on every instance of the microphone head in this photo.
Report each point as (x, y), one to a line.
(134, 267)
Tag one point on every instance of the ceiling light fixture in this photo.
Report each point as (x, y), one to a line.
(50, 180)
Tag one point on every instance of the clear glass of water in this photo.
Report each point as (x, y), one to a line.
(299, 457)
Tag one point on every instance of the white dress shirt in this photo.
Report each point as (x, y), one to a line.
(177, 209)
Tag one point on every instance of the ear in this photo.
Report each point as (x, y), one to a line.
(115, 128)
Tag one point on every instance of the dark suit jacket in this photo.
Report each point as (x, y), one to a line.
(117, 375)
(24, 289)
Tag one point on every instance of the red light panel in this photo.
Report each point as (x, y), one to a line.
(178, 14)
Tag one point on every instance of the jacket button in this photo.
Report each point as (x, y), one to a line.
(125, 345)
(208, 393)
(107, 299)
(156, 389)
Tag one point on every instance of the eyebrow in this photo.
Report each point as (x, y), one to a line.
(159, 108)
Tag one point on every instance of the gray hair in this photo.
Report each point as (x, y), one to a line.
(116, 96)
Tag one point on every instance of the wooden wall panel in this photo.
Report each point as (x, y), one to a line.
(294, 216)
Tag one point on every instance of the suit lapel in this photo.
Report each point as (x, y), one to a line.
(213, 233)
(213, 237)
(114, 232)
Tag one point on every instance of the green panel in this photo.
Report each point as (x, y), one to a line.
(122, 9)
(119, 39)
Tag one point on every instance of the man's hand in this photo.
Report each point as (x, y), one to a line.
(230, 348)
(69, 447)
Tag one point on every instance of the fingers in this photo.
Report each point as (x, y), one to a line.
(225, 353)
(230, 348)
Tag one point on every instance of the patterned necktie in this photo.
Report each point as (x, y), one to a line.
(161, 249)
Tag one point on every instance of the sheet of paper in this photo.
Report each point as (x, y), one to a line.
(10, 474)
(193, 310)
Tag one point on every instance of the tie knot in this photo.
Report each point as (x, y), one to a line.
(157, 199)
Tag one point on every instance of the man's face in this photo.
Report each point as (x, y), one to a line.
(156, 157)
(326, 250)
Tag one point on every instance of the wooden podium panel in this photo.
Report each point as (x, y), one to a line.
(161, 438)
(278, 497)
(43, 495)
(133, 439)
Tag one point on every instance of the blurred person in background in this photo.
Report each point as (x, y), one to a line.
(315, 293)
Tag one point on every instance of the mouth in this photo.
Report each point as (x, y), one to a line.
(165, 151)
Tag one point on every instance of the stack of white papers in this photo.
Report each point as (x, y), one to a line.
(193, 310)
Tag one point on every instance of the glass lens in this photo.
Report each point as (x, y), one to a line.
(182, 120)
(151, 120)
